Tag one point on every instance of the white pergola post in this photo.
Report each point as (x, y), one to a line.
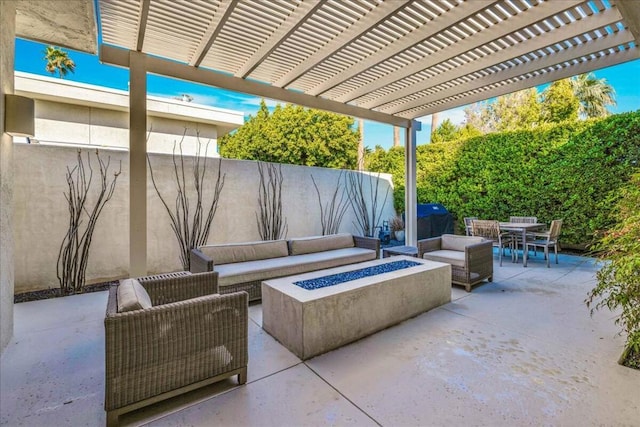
(137, 164)
(410, 187)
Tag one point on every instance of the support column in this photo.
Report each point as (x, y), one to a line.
(7, 49)
(410, 187)
(137, 164)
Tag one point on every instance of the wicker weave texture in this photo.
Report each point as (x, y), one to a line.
(478, 261)
(170, 346)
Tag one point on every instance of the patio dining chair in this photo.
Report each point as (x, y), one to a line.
(517, 238)
(490, 230)
(467, 224)
(547, 240)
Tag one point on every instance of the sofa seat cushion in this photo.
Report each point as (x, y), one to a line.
(457, 243)
(250, 271)
(131, 295)
(450, 257)
(308, 245)
(242, 252)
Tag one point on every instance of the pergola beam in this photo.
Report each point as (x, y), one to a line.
(631, 12)
(442, 22)
(379, 14)
(155, 65)
(511, 25)
(592, 47)
(584, 67)
(216, 25)
(142, 23)
(303, 12)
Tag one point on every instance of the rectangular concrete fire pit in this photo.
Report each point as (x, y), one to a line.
(312, 322)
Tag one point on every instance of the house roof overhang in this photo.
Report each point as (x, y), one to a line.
(69, 23)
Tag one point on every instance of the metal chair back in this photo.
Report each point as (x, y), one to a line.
(524, 219)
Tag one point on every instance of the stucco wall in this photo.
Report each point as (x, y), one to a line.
(63, 123)
(41, 212)
(7, 40)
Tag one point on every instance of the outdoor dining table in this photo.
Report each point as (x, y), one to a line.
(524, 228)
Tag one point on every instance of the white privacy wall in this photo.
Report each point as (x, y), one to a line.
(41, 211)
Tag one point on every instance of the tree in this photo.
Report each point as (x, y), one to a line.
(517, 110)
(559, 103)
(447, 131)
(593, 94)
(396, 136)
(295, 135)
(58, 61)
(434, 123)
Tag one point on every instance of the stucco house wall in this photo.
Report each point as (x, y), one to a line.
(72, 113)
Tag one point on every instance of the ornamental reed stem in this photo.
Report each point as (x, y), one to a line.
(73, 255)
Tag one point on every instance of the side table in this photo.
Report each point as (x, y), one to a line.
(400, 250)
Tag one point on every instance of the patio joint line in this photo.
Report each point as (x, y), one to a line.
(341, 394)
(186, 406)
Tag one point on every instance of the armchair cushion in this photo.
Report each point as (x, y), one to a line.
(447, 256)
(315, 244)
(132, 296)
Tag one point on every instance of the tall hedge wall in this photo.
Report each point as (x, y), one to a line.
(570, 171)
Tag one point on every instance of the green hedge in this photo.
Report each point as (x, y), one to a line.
(571, 171)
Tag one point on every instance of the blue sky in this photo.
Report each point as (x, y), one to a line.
(29, 58)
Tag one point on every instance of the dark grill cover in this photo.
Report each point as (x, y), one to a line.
(428, 209)
(433, 220)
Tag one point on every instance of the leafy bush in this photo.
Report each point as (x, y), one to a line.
(571, 171)
(619, 280)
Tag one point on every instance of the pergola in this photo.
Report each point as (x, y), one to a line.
(387, 61)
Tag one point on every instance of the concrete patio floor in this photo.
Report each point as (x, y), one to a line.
(522, 350)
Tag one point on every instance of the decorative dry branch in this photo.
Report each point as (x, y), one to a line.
(332, 213)
(73, 255)
(365, 208)
(271, 224)
(191, 220)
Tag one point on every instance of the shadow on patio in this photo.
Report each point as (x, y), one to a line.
(520, 350)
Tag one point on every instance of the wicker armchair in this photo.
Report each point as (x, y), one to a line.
(471, 258)
(190, 337)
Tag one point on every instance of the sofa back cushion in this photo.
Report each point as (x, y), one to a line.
(452, 242)
(132, 296)
(242, 252)
(309, 245)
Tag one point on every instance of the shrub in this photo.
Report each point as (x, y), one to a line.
(619, 279)
(571, 171)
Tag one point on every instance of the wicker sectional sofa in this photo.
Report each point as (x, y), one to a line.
(243, 266)
(471, 258)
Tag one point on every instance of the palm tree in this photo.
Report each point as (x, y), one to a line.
(594, 95)
(58, 60)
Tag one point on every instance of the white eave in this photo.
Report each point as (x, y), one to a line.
(65, 91)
